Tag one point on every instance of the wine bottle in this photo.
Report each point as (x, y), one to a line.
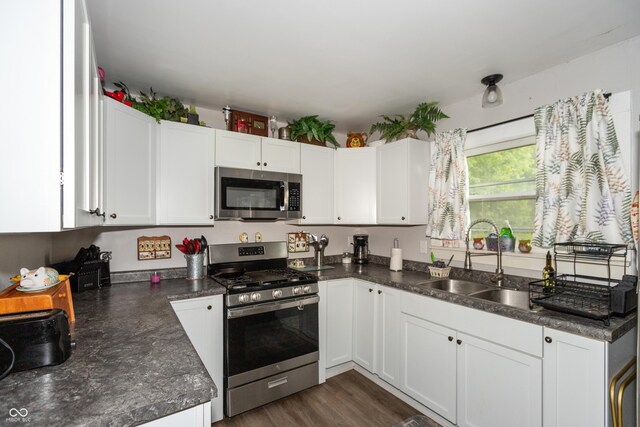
(548, 275)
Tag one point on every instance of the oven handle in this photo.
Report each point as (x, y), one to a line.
(234, 313)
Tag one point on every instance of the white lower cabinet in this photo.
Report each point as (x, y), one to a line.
(497, 386)
(428, 359)
(387, 319)
(339, 306)
(364, 311)
(202, 319)
(198, 416)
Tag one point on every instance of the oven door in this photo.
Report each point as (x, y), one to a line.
(249, 194)
(265, 339)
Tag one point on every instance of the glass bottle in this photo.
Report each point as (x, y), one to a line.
(548, 275)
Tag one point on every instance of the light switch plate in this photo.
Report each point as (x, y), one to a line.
(155, 247)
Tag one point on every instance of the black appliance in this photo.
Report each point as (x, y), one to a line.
(89, 269)
(270, 324)
(361, 248)
(257, 195)
(33, 339)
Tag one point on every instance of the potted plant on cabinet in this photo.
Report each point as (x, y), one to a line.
(311, 130)
(424, 118)
(192, 117)
(165, 108)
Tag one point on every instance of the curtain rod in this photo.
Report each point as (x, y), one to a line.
(606, 95)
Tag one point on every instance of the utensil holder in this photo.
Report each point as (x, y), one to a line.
(438, 272)
(195, 266)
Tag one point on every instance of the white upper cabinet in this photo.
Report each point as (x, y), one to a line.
(355, 186)
(280, 155)
(185, 174)
(403, 168)
(130, 148)
(238, 150)
(241, 150)
(47, 168)
(316, 166)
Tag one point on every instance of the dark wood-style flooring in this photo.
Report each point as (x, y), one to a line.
(348, 399)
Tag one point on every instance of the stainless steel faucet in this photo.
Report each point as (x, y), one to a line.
(499, 277)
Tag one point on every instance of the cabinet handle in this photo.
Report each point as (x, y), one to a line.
(264, 164)
(339, 218)
(370, 290)
(403, 218)
(113, 215)
(210, 216)
(304, 217)
(258, 163)
(379, 291)
(459, 342)
(548, 339)
(96, 212)
(450, 338)
(208, 307)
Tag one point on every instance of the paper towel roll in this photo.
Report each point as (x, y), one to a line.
(396, 259)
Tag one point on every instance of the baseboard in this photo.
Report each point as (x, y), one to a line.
(340, 369)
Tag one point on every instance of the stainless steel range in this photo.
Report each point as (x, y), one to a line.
(271, 324)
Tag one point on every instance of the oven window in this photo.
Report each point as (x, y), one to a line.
(266, 338)
(240, 194)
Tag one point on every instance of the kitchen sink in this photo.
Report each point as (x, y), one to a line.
(510, 297)
(455, 286)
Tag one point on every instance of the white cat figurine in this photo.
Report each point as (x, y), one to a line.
(43, 276)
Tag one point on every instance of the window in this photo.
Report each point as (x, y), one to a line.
(502, 185)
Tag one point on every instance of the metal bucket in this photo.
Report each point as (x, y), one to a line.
(195, 266)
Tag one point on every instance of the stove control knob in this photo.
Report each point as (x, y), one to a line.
(306, 289)
(297, 290)
(255, 296)
(243, 298)
(277, 293)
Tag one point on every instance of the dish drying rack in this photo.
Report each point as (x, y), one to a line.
(579, 294)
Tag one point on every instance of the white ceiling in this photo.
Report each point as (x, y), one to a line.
(348, 61)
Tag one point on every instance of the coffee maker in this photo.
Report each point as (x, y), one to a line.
(361, 248)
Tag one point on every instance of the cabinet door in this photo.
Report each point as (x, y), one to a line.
(238, 150)
(387, 360)
(355, 186)
(201, 319)
(96, 172)
(185, 175)
(364, 324)
(428, 364)
(130, 165)
(197, 416)
(574, 380)
(339, 321)
(280, 155)
(392, 199)
(497, 386)
(316, 166)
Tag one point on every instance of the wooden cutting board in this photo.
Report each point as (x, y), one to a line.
(59, 296)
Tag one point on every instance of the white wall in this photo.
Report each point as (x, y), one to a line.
(613, 69)
(123, 241)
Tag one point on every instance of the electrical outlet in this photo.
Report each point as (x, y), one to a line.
(424, 247)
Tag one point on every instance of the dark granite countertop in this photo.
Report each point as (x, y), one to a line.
(133, 361)
(408, 280)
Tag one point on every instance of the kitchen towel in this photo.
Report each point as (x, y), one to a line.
(396, 259)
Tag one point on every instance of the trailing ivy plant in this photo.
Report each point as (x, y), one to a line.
(424, 118)
(313, 128)
(165, 108)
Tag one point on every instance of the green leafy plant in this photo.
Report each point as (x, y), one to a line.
(424, 118)
(165, 108)
(313, 128)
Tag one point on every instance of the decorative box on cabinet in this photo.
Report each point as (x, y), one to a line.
(186, 193)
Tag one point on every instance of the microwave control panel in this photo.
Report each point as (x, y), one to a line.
(294, 196)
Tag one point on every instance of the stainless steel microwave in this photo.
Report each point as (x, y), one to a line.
(257, 195)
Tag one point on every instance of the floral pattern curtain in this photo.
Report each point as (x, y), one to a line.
(448, 205)
(582, 189)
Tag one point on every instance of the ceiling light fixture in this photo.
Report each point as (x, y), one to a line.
(492, 95)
